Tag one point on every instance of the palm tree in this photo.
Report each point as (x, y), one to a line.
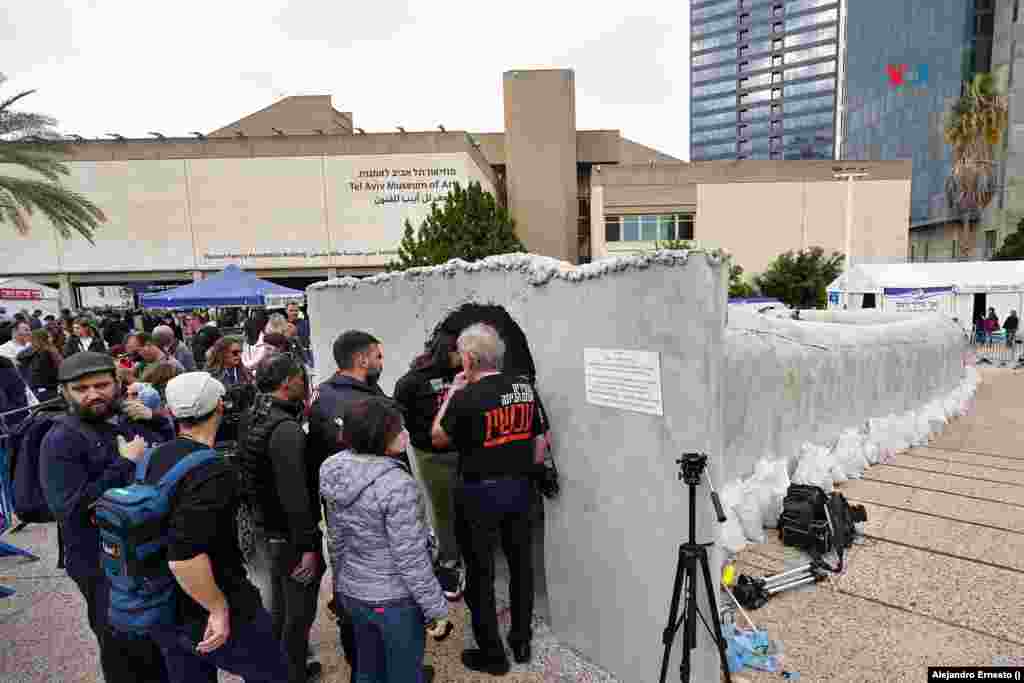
(975, 125)
(29, 142)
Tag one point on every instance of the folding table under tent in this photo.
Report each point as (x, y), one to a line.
(230, 287)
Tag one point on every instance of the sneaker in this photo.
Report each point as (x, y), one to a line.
(452, 578)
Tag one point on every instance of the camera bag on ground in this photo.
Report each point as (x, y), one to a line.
(132, 521)
(803, 523)
(817, 522)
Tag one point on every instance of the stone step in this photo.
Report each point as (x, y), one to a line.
(1010, 494)
(968, 541)
(955, 591)
(829, 635)
(959, 469)
(968, 458)
(999, 515)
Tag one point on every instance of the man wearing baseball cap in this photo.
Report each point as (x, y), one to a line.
(221, 622)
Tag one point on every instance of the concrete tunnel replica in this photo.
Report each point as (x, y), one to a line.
(755, 394)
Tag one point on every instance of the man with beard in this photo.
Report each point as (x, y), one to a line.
(360, 359)
(83, 455)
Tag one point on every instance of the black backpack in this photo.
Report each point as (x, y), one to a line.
(817, 522)
(25, 441)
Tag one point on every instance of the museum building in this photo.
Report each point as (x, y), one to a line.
(297, 193)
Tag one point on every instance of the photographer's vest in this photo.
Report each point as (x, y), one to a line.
(258, 480)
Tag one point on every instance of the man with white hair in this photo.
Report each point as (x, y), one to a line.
(20, 340)
(164, 337)
(493, 421)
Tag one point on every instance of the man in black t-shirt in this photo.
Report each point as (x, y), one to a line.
(494, 423)
(221, 623)
(420, 394)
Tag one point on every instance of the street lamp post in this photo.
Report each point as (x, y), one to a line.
(848, 173)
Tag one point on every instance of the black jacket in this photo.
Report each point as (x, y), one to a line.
(74, 346)
(329, 401)
(12, 389)
(40, 371)
(277, 479)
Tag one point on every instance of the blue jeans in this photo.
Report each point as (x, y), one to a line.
(390, 639)
(251, 652)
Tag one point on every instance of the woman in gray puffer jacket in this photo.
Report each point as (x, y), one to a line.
(378, 541)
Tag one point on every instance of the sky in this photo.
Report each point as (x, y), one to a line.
(105, 66)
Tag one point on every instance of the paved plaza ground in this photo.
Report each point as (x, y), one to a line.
(938, 582)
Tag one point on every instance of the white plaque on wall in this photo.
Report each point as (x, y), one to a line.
(627, 380)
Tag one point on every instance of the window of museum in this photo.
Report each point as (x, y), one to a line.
(777, 27)
(777, 44)
(776, 60)
(649, 227)
(777, 11)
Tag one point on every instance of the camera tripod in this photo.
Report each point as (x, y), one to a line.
(691, 469)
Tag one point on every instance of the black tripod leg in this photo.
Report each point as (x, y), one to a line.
(690, 627)
(713, 604)
(669, 634)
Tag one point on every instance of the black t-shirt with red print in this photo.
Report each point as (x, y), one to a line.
(492, 424)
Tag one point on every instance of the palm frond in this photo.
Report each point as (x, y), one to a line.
(38, 157)
(67, 210)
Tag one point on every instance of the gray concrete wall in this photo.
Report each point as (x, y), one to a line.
(787, 382)
(612, 535)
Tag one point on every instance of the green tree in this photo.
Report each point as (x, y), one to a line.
(1013, 246)
(739, 288)
(470, 226)
(28, 142)
(798, 279)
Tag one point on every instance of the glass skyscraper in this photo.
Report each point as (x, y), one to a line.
(824, 79)
(763, 79)
(906, 61)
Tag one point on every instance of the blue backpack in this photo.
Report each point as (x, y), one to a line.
(133, 542)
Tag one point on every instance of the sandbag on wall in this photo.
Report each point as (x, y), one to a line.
(793, 382)
(754, 502)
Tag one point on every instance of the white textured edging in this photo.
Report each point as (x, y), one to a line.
(539, 269)
(755, 502)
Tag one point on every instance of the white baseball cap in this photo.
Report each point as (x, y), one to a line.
(193, 394)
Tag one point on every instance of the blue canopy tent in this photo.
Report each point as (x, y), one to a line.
(231, 287)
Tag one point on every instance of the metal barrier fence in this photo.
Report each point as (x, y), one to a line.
(996, 348)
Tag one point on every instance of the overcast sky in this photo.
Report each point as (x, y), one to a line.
(133, 67)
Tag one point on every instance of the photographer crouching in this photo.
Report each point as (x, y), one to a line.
(493, 421)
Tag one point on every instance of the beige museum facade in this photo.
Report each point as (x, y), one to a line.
(296, 192)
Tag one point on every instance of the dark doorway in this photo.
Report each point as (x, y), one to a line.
(979, 308)
(869, 300)
(518, 359)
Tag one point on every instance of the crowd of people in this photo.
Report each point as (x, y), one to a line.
(985, 327)
(410, 494)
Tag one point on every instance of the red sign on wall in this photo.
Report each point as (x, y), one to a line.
(21, 294)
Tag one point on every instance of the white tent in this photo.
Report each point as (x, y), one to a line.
(957, 289)
(18, 293)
